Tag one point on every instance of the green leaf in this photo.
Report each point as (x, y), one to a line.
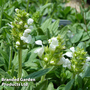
(5, 74)
(38, 73)
(87, 72)
(77, 36)
(85, 36)
(42, 86)
(69, 85)
(4, 54)
(44, 7)
(54, 27)
(24, 55)
(2, 63)
(41, 37)
(46, 24)
(50, 86)
(8, 16)
(8, 88)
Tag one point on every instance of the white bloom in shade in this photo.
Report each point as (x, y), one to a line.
(16, 9)
(31, 27)
(38, 42)
(26, 39)
(27, 31)
(39, 51)
(20, 22)
(69, 54)
(17, 43)
(88, 59)
(25, 26)
(53, 43)
(64, 62)
(72, 49)
(29, 21)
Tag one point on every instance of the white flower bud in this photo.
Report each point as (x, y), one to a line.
(38, 42)
(16, 9)
(29, 21)
(17, 43)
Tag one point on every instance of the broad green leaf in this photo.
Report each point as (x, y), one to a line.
(44, 7)
(38, 73)
(46, 24)
(69, 85)
(50, 86)
(87, 72)
(24, 73)
(5, 74)
(54, 27)
(41, 37)
(42, 86)
(77, 36)
(63, 31)
(85, 36)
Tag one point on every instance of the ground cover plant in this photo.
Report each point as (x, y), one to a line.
(37, 52)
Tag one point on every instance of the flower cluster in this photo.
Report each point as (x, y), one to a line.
(78, 59)
(21, 28)
(51, 54)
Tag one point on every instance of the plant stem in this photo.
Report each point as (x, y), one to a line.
(10, 59)
(20, 63)
(27, 5)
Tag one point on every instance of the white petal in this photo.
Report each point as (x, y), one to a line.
(52, 62)
(72, 49)
(69, 54)
(29, 21)
(22, 38)
(16, 9)
(39, 51)
(38, 42)
(20, 22)
(52, 47)
(17, 43)
(28, 39)
(62, 60)
(88, 59)
(27, 31)
(26, 26)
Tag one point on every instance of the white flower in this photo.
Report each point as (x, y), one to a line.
(39, 51)
(29, 21)
(72, 49)
(17, 43)
(16, 9)
(53, 43)
(31, 27)
(38, 42)
(69, 54)
(46, 59)
(64, 62)
(52, 62)
(20, 22)
(27, 14)
(26, 32)
(25, 26)
(88, 59)
(26, 39)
